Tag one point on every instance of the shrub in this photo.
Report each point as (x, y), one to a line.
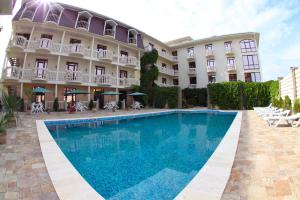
(91, 105)
(195, 97)
(296, 106)
(3, 122)
(11, 104)
(160, 96)
(22, 105)
(287, 103)
(55, 105)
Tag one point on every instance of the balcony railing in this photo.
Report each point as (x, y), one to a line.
(12, 73)
(52, 17)
(28, 14)
(192, 85)
(103, 54)
(44, 44)
(72, 76)
(132, 41)
(39, 74)
(104, 80)
(192, 71)
(231, 67)
(34, 74)
(209, 52)
(160, 84)
(148, 48)
(166, 70)
(128, 60)
(128, 82)
(76, 49)
(82, 24)
(18, 41)
(109, 32)
(210, 69)
(229, 51)
(190, 55)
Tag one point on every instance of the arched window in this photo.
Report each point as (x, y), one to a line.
(132, 36)
(54, 13)
(110, 28)
(83, 20)
(29, 11)
(248, 46)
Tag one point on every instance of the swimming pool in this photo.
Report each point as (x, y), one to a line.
(149, 156)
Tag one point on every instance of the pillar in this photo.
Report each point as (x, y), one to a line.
(279, 84)
(56, 88)
(89, 95)
(21, 90)
(293, 70)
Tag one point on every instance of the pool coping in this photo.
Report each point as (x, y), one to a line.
(69, 184)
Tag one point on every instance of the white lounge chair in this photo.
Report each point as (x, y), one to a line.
(293, 120)
(280, 112)
(112, 105)
(37, 107)
(270, 111)
(137, 105)
(80, 107)
(262, 108)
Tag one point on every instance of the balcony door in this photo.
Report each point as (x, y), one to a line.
(45, 41)
(72, 68)
(76, 45)
(40, 68)
(99, 70)
(123, 74)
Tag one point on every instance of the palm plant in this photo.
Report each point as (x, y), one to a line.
(11, 104)
(3, 123)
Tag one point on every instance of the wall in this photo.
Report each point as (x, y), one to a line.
(290, 85)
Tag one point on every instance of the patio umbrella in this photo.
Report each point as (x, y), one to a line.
(137, 94)
(40, 90)
(110, 93)
(77, 91)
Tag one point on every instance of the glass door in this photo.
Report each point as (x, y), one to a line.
(40, 68)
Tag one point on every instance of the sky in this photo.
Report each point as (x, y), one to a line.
(277, 21)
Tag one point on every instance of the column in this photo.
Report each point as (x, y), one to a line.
(279, 83)
(117, 74)
(89, 95)
(56, 88)
(293, 69)
(57, 68)
(62, 41)
(24, 63)
(21, 90)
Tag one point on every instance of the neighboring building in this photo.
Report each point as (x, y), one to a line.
(7, 6)
(61, 47)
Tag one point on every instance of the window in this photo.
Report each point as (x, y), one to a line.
(151, 45)
(175, 82)
(46, 42)
(75, 41)
(164, 52)
(40, 68)
(101, 47)
(228, 44)
(124, 53)
(209, 47)
(70, 97)
(174, 53)
(175, 67)
(252, 77)
(250, 62)
(99, 70)
(163, 65)
(230, 61)
(193, 80)
(123, 74)
(247, 46)
(211, 63)
(26, 35)
(48, 36)
(164, 80)
(190, 50)
(72, 66)
(192, 65)
(232, 77)
(211, 78)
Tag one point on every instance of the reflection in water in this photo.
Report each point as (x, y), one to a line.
(153, 157)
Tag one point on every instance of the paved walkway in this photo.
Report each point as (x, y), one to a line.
(267, 164)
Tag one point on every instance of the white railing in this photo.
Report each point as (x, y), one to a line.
(210, 68)
(192, 70)
(132, 40)
(175, 58)
(18, 41)
(192, 85)
(28, 14)
(109, 32)
(72, 76)
(12, 72)
(128, 82)
(82, 24)
(190, 55)
(74, 49)
(39, 74)
(231, 67)
(103, 54)
(44, 44)
(160, 84)
(166, 70)
(128, 60)
(228, 50)
(52, 17)
(104, 80)
(148, 48)
(209, 52)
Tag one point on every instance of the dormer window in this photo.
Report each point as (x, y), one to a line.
(29, 11)
(83, 20)
(110, 28)
(54, 14)
(132, 36)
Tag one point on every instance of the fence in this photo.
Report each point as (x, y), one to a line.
(290, 85)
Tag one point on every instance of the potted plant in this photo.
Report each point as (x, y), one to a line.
(91, 105)
(3, 124)
(55, 105)
(11, 105)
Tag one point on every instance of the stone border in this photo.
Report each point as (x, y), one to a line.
(70, 185)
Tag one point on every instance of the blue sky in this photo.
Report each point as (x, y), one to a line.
(277, 21)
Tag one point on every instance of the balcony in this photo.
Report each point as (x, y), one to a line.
(229, 51)
(104, 80)
(12, 73)
(160, 84)
(167, 71)
(52, 18)
(109, 33)
(209, 53)
(148, 48)
(128, 82)
(82, 25)
(231, 68)
(74, 49)
(174, 58)
(18, 42)
(192, 71)
(190, 56)
(72, 76)
(192, 85)
(128, 61)
(43, 44)
(132, 41)
(28, 14)
(210, 69)
(105, 55)
(39, 74)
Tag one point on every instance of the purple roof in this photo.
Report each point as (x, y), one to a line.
(69, 17)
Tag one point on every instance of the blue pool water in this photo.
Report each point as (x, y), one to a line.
(149, 157)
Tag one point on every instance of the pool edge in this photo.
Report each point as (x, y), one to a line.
(69, 184)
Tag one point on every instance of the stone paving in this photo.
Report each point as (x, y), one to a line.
(267, 163)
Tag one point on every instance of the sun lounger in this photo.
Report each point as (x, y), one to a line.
(293, 120)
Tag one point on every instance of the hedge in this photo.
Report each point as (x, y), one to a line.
(241, 95)
(164, 95)
(194, 97)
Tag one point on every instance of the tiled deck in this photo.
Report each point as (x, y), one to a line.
(267, 164)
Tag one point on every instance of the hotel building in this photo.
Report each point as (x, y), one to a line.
(61, 47)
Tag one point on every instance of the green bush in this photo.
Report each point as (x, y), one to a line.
(160, 96)
(239, 95)
(91, 105)
(194, 97)
(287, 104)
(55, 105)
(11, 104)
(22, 105)
(297, 106)
(3, 122)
